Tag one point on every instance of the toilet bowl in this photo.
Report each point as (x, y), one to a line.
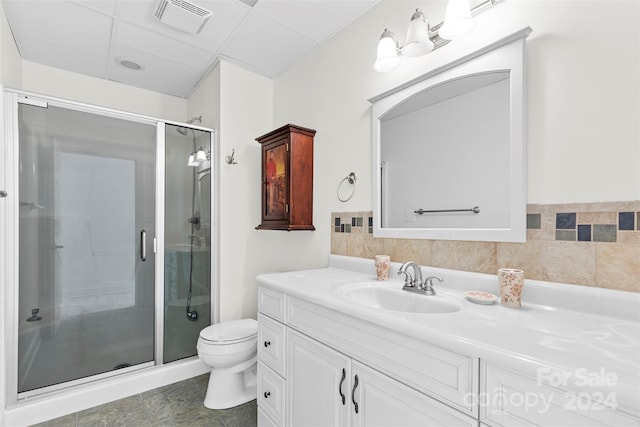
(230, 350)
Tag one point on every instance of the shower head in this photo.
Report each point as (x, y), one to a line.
(183, 131)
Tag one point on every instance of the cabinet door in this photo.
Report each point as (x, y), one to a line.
(378, 400)
(318, 383)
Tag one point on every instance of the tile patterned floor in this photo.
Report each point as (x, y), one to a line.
(179, 404)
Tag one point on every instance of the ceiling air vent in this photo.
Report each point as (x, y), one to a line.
(183, 15)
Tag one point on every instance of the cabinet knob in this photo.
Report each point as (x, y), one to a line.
(267, 343)
(267, 394)
(3, 194)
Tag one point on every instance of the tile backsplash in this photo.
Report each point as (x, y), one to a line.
(593, 244)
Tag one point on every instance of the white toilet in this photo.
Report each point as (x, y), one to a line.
(230, 349)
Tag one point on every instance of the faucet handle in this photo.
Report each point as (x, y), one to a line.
(430, 279)
(428, 284)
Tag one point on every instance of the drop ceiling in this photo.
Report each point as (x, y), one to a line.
(94, 37)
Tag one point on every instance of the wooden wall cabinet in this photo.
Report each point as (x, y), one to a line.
(287, 179)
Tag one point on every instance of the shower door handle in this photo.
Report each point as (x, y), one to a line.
(143, 245)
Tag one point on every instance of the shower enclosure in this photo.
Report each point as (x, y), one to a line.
(113, 234)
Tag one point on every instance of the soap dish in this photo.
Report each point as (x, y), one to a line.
(480, 297)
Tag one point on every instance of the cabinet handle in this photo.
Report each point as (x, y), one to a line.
(267, 394)
(267, 343)
(353, 394)
(344, 376)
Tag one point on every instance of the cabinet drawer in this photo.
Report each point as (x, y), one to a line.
(445, 375)
(271, 394)
(271, 303)
(508, 398)
(271, 342)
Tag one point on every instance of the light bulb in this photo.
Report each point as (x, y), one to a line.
(192, 161)
(457, 20)
(418, 41)
(387, 53)
(201, 157)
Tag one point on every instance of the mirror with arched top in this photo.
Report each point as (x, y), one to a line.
(449, 150)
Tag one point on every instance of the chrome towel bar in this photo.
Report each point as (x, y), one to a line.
(474, 209)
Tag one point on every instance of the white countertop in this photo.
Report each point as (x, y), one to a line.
(577, 329)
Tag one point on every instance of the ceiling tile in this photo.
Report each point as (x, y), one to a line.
(53, 55)
(108, 7)
(65, 22)
(160, 74)
(317, 19)
(266, 45)
(160, 45)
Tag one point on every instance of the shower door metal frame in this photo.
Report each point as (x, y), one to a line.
(9, 215)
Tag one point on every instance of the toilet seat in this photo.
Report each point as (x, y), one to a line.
(230, 332)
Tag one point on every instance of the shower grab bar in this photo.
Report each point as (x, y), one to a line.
(474, 209)
(143, 245)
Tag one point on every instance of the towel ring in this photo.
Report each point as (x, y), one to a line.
(351, 179)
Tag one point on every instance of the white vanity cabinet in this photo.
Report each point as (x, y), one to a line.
(315, 370)
(327, 388)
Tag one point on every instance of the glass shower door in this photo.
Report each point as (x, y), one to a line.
(86, 229)
(187, 225)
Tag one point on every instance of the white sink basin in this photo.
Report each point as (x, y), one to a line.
(385, 297)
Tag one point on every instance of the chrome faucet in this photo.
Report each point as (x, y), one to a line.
(411, 283)
(414, 283)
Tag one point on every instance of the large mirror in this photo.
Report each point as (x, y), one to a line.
(449, 158)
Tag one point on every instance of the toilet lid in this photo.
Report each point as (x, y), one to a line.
(231, 330)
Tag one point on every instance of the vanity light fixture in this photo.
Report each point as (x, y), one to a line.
(421, 39)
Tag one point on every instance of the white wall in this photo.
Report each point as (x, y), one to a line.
(239, 104)
(583, 63)
(59, 83)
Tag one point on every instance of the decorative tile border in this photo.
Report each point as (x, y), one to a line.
(355, 221)
(586, 226)
(593, 244)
